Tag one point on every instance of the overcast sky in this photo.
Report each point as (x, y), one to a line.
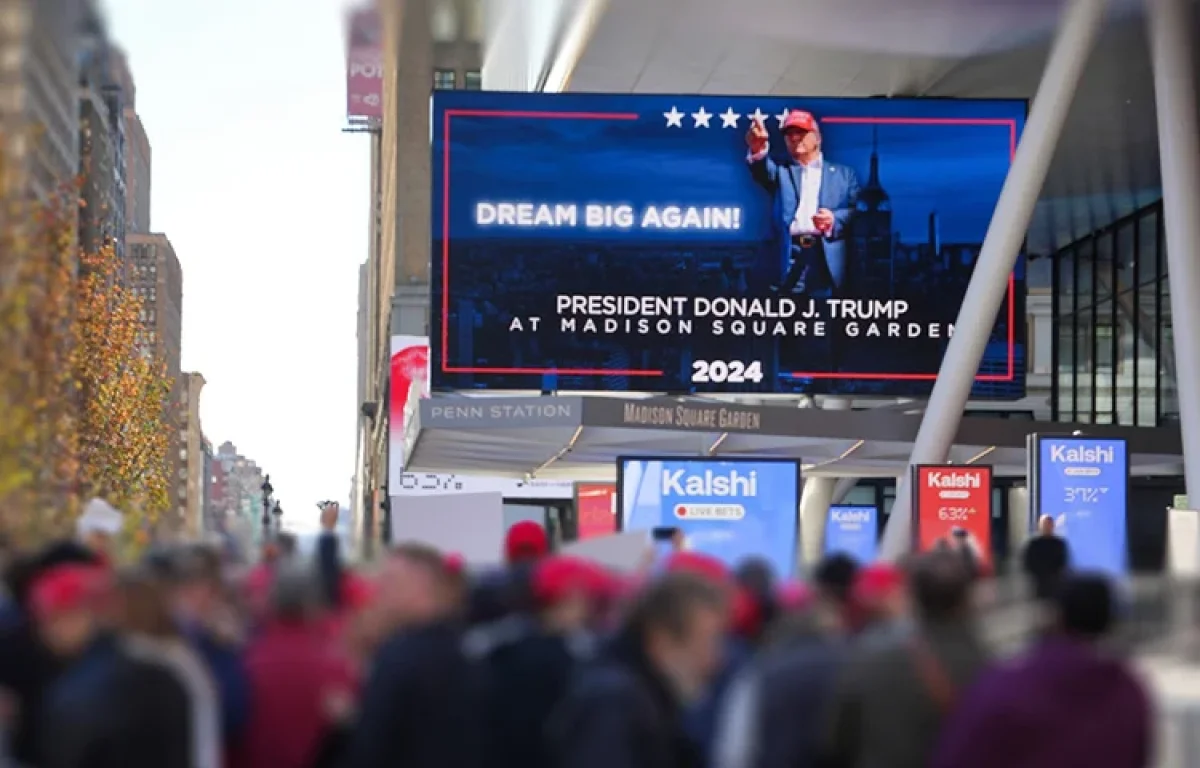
(266, 203)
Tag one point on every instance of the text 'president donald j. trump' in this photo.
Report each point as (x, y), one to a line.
(813, 205)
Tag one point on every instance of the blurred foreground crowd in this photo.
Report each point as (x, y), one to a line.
(188, 660)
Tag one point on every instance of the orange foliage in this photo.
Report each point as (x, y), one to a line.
(124, 420)
(84, 407)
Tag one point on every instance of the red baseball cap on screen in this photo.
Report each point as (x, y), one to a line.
(799, 120)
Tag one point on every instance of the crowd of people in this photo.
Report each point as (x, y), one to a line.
(188, 660)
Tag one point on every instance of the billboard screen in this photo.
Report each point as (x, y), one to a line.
(954, 503)
(595, 510)
(1082, 483)
(634, 242)
(409, 365)
(364, 65)
(852, 530)
(728, 509)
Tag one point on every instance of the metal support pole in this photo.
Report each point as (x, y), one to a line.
(815, 498)
(1171, 42)
(989, 282)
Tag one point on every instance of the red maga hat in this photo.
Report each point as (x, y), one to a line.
(559, 577)
(66, 588)
(877, 582)
(795, 596)
(799, 120)
(525, 541)
(699, 564)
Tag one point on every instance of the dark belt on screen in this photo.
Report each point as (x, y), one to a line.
(805, 241)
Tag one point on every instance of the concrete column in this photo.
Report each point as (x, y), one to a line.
(815, 499)
(1018, 522)
(1077, 31)
(1171, 42)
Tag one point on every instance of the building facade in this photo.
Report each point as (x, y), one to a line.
(101, 141)
(39, 78)
(189, 495)
(236, 494)
(137, 147)
(157, 279)
(426, 43)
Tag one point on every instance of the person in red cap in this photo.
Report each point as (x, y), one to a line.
(63, 602)
(880, 599)
(813, 204)
(525, 542)
(530, 661)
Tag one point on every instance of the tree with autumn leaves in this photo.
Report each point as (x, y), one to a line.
(84, 402)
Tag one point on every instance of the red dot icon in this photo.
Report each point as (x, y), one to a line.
(681, 511)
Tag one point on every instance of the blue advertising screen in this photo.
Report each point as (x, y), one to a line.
(1082, 484)
(637, 242)
(728, 509)
(852, 530)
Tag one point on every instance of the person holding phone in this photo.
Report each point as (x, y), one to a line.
(664, 542)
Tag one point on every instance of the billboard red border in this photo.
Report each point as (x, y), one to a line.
(448, 114)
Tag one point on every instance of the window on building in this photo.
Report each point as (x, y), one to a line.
(473, 80)
(444, 79)
(445, 21)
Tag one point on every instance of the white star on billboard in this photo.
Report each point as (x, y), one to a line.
(758, 116)
(729, 118)
(674, 118)
(702, 117)
(782, 116)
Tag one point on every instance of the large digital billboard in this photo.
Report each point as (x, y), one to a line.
(954, 508)
(713, 243)
(1082, 483)
(728, 509)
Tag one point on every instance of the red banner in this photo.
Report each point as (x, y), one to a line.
(595, 509)
(364, 65)
(954, 506)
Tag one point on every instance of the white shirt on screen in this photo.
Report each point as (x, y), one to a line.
(810, 194)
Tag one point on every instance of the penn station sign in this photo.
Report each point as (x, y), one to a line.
(711, 418)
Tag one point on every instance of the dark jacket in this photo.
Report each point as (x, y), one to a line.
(886, 712)
(529, 672)
(224, 663)
(700, 720)
(1044, 561)
(621, 712)
(422, 707)
(1064, 704)
(27, 669)
(775, 712)
(112, 711)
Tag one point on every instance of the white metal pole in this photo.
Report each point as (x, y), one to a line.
(1077, 31)
(1171, 41)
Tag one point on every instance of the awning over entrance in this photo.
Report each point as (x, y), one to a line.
(581, 437)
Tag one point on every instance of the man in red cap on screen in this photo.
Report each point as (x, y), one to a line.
(814, 202)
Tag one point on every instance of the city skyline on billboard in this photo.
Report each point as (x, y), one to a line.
(650, 243)
(364, 64)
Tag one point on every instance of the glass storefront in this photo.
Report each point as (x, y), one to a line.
(1112, 351)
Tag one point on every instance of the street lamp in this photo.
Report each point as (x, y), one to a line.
(267, 490)
(277, 511)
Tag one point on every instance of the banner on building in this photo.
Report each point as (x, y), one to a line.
(408, 384)
(953, 505)
(511, 488)
(638, 242)
(364, 65)
(1082, 483)
(595, 509)
(852, 529)
(731, 509)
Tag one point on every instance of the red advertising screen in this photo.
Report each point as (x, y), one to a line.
(953, 503)
(595, 508)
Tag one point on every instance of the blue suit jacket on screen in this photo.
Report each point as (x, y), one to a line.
(839, 193)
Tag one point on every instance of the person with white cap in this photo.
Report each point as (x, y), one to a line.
(98, 525)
